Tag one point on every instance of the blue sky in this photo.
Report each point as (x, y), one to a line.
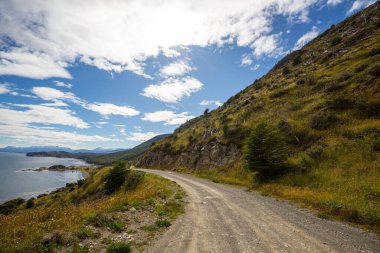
(113, 74)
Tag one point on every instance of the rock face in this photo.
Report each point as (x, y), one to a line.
(198, 156)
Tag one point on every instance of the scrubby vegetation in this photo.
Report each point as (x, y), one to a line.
(71, 217)
(324, 101)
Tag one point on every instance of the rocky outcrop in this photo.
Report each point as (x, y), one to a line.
(198, 156)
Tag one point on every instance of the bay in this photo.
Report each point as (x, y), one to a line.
(15, 182)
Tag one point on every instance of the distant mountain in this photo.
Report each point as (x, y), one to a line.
(56, 148)
(101, 156)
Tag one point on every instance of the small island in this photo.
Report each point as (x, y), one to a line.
(84, 169)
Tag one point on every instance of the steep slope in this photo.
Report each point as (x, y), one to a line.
(336, 77)
(325, 100)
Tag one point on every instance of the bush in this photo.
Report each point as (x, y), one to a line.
(29, 203)
(80, 249)
(85, 233)
(265, 152)
(297, 60)
(118, 247)
(163, 223)
(336, 40)
(374, 71)
(10, 205)
(285, 71)
(116, 226)
(116, 177)
(133, 179)
(323, 120)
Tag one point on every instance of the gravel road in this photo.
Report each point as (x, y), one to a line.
(222, 218)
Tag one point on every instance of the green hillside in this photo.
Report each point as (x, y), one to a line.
(324, 100)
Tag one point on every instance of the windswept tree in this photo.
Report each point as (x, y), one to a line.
(265, 152)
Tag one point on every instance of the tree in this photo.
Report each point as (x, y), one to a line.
(206, 111)
(264, 151)
(116, 177)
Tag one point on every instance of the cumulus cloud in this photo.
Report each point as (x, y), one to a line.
(51, 94)
(140, 137)
(104, 109)
(40, 114)
(41, 41)
(178, 68)
(266, 45)
(62, 84)
(21, 62)
(358, 5)
(211, 102)
(304, 39)
(173, 90)
(169, 117)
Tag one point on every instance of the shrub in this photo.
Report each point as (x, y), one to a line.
(29, 203)
(80, 249)
(116, 177)
(285, 70)
(133, 179)
(265, 152)
(10, 205)
(336, 40)
(323, 120)
(360, 68)
(116, 226)
(341, 103)
(311, 81)
(374, 71)
(85, 233)
(118, 247)
(297, 60)
(300, 81)
(163, 223)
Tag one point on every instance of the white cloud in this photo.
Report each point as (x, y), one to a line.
(359, 4)
(173, 90)
(334, 2)
(43, 136)
(169, 117)
(211, 102)
(4, 88)
(246, 60)
(138, 136)
(40, 114)
(51, 94)
(56, 104)
(106, 109)
(62, 84)
(46, 37)
(266, 45)
(178, 68)
(304, 39)
(20, 62)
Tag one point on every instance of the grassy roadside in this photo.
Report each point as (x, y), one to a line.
(332, 193)
(83, 215)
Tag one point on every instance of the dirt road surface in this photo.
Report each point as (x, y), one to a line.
(222, 218)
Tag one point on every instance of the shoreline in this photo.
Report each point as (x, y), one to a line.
(85, 170)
